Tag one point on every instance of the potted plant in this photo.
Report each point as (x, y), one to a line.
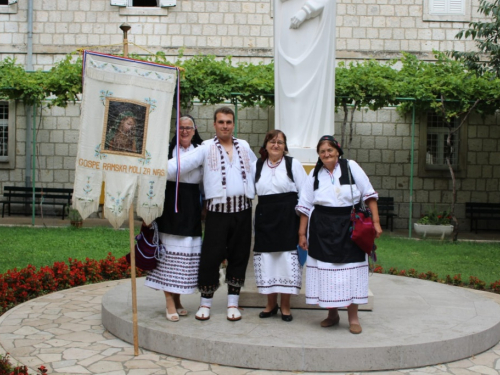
(74, 218)
(434, 222)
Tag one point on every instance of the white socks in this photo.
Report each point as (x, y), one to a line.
(206, 302)
(232, 300)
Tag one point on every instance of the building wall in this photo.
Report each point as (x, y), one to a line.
(241, 28)
(381, 145)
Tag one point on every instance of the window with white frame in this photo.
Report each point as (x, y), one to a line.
(8, 6)
(447, 10)
(143, 7)
(7, 134)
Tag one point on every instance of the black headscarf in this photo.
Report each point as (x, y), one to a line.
(319, 163)
(196, 140)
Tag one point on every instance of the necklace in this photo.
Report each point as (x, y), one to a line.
(273, 166)
(331, 174)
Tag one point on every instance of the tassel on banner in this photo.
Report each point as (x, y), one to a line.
(115, 220)
(85, 208)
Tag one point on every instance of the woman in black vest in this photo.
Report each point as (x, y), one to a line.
(180, 232)
(337, 269)
(278, 180)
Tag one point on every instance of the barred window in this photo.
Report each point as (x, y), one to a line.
(436, 148)
(4, 131)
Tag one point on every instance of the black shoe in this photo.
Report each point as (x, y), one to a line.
(286, 318)
(268, 314)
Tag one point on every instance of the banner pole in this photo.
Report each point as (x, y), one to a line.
(133, 276)
(125, 27)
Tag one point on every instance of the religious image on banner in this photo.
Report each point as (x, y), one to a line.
(124, 129)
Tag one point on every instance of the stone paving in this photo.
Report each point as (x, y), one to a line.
(63, 332)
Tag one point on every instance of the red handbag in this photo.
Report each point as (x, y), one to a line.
(363, 231)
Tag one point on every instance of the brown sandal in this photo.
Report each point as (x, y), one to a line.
(329, 322)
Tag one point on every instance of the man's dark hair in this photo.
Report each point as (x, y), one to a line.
(224, 110)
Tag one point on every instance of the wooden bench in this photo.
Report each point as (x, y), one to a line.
(386, 208)
(481, 211)
(45, 196)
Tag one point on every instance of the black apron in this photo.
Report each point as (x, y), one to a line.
(187, 221)
(276, 223)
(330, 236)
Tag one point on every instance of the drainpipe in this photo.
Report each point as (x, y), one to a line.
(29, 118)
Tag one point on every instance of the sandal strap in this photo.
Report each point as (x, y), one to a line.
(206, 307)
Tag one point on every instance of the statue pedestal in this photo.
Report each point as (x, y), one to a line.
(304, 155)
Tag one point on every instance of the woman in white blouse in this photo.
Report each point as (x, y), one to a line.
(278, 182)
(337, 269)
(180, 231)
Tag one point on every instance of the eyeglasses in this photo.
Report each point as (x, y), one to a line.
(279, 143)
(186, 128)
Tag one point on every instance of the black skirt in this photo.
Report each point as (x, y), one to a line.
(276, 223)
(187, 221)
(330, 236)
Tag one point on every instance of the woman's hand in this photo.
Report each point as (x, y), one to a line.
(303, 241)
(304, 220)
(372, 205)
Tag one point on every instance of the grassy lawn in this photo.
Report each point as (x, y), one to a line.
(444, 258)
(21, 246)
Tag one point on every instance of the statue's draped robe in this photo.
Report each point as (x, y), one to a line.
(305, 72)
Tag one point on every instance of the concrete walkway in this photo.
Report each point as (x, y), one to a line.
(63, 332)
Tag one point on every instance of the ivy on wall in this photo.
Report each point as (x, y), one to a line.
(366, 84)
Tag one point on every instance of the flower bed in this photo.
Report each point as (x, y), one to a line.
(456, 280)
(17, 286)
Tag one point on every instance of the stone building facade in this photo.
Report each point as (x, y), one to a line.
(377, 29)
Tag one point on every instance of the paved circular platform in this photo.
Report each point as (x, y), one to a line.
(414, 323)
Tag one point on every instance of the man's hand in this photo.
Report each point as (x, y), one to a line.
(298, 19)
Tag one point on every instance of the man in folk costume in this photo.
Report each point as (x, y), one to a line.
(229, 191)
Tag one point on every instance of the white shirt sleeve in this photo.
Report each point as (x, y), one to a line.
(189, 161)
(306, 195)
(299, 174)
(362, 181)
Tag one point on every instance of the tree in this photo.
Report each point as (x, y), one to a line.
(486, 35)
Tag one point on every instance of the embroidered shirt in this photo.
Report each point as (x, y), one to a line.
(209, 157)
(330, 193)
(279, 182)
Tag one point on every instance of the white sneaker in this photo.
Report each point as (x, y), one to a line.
(203, 313)
(233, 314)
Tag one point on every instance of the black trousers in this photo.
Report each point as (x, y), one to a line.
(227, 236)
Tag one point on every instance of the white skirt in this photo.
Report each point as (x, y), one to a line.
(177, 271)
(332, 285)
(278, 272)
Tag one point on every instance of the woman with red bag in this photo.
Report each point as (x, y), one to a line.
(337, 269)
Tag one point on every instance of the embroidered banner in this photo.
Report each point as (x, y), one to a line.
(124, 128)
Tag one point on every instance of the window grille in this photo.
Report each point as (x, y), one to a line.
(4, 131)
(437, 149)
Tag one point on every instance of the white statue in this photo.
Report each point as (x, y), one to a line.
(304, 70)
